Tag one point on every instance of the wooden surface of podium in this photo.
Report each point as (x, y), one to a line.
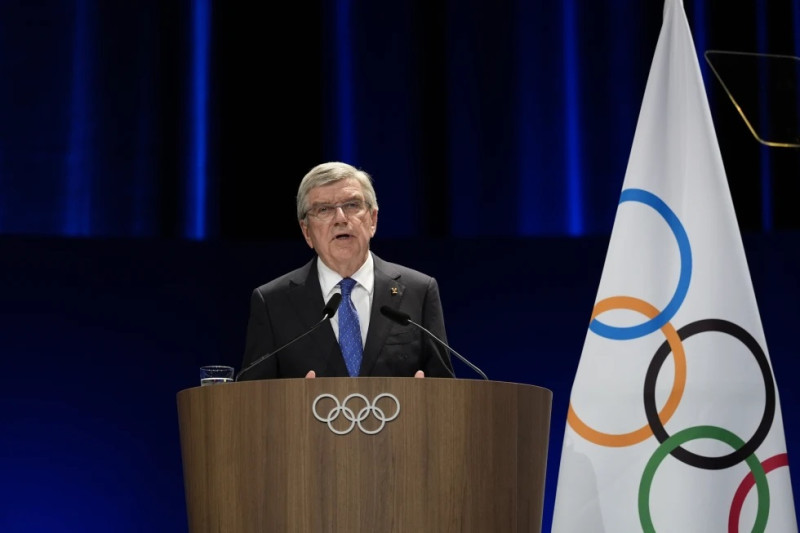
(364, 455)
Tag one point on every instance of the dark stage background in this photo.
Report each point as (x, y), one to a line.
(149, 157)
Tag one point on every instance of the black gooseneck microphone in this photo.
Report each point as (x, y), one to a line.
(403, 319)
(327, 313)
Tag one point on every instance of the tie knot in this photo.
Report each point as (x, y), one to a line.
(347, 285)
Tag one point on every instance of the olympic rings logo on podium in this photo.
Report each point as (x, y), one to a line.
(369, 408)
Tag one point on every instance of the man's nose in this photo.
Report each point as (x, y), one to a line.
(338, 214)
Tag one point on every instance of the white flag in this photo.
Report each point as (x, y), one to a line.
(674, 422)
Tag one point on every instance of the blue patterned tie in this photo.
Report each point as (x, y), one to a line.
(349, 329)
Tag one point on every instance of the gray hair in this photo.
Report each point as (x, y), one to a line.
(332, 172)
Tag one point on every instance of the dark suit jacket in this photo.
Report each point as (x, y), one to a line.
(291, 304)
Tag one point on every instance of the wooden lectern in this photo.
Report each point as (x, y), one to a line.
(371, 455)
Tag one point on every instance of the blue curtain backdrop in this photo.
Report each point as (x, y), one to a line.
(150, 152)
(196, 119)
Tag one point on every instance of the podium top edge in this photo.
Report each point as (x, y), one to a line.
(427, 380)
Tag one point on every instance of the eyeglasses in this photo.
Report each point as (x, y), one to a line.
(326, 212)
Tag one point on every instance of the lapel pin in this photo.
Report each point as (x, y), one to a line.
(394, 291)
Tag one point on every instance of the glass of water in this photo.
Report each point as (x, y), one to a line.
(213, 374)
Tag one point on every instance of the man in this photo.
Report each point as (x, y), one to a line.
(338, 214)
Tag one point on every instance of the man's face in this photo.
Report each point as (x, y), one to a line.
(343, 241)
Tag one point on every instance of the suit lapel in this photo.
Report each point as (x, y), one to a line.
(387, 291)
(306, 299)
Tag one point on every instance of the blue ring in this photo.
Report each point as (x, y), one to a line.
(634, 332)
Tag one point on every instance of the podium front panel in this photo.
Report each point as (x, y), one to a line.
(365, 455)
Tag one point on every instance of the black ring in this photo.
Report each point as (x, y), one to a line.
(724, 461)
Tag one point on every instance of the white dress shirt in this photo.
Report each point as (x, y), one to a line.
(361, 295)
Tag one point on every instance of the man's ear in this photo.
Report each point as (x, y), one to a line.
(304, 229)
(374, 222)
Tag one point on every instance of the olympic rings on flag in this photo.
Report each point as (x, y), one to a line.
(656, 420)
(776, 461)
(351, 416)
(656, 322)
(746, 449)
(702, 432)
(673, 341)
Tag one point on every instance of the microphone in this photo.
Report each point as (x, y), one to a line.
(327, 313)
(404, 319)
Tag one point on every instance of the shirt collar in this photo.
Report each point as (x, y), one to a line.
(329, 279)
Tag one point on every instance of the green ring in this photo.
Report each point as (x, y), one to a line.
(700, 432)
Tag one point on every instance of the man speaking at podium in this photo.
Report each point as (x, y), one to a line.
(323, 319)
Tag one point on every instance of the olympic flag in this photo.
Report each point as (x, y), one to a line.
(674, 422)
